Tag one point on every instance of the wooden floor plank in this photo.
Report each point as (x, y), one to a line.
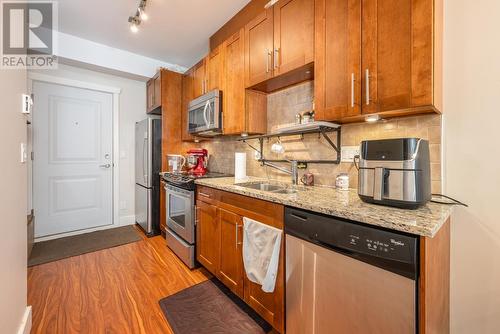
(115, 290)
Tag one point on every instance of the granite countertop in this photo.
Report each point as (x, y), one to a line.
(425, 221)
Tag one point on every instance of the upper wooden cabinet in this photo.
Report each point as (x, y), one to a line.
(293, 35)
(208, 73)
(244, 112)
(279, 41)
(380, 57)
(153, 94)
(215, 69)
(199, 79)
(259, 48)
(187, 96)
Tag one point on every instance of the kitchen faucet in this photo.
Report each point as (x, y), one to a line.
(294, 171)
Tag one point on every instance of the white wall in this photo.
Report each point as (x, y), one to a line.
(472, 160)
(13, 222)
(132, 109)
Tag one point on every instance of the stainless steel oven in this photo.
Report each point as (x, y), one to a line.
(205, 114)
(180, 212)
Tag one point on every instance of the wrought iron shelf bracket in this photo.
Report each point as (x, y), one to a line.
(322, 131)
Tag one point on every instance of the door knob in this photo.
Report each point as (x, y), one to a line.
(105, 166)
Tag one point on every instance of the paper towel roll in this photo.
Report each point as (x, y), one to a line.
(240, 166)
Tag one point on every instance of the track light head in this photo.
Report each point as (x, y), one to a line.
(134, 23)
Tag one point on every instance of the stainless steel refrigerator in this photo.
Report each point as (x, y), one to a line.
(147, 175)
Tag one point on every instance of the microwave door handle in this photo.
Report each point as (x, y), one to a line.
(205, 113)
(209, 113)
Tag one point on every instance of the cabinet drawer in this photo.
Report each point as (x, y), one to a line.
(207, 195)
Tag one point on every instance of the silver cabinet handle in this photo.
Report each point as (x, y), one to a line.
(236, 228)
(204, 195)
(276, 54)
(367, 73)
(353, 79)
(267, 60)
(105, 166)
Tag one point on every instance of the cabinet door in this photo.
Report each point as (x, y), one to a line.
(187, 96)
(231, 260)
(149, 94)
(157, 91)
(234, 88)
(259, 48)
(207, 236)
(337, 81)
(387, 54)
(199, 82)
(293, 35)
(269, 305)
(215, 69)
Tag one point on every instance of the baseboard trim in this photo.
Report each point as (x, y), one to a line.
(25, 327)
(127, 220)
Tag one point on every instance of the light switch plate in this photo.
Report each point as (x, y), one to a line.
(348, 153)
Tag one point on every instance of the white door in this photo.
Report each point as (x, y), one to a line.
(73, 159)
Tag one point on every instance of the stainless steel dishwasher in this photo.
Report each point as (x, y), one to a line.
(346, 277)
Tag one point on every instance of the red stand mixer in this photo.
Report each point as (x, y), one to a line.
(197, 161)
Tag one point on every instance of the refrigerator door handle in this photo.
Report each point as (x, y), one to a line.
(144, 166)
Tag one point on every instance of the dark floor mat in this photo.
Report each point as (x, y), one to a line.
(209, 308)
(57, 249)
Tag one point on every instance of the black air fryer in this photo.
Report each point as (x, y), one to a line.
(395, 172)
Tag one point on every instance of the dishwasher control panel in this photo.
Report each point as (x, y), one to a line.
(370, 244)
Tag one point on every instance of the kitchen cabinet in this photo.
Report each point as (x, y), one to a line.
(215, 69)
(293, 35)
(244, 111)
(231, 261)
(279, 41)
(379, 57)
(225, 243)
(187, 96)
(207, 236)
(153, 94)
(199, 79)
(208, 73)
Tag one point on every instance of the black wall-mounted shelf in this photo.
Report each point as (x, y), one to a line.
(321, 130)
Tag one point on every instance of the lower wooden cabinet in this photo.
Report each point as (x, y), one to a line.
(207, 236)
(231, 261)
(219, 247)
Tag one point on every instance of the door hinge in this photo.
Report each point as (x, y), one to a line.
(32, 155)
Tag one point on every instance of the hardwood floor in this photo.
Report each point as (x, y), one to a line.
(115, 290)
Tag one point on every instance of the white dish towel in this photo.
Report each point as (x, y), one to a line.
(261, 253)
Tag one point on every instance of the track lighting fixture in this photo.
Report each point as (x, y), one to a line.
(140, 15)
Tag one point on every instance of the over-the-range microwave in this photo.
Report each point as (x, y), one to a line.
(205, 114)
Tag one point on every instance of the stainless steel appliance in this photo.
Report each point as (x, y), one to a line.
(346, 277)
(395, 172)
(180, 213)
(147, 179)
(205, 114)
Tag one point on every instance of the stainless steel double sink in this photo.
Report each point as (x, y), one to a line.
(269, 187)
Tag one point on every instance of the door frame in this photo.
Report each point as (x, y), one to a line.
(115, 91)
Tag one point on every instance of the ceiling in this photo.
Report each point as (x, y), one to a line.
(177, 31)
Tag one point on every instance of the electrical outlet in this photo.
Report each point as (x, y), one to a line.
(347, 153)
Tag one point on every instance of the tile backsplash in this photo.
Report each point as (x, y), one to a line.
(282, 108)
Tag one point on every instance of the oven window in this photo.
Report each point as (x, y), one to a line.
(178, 210)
